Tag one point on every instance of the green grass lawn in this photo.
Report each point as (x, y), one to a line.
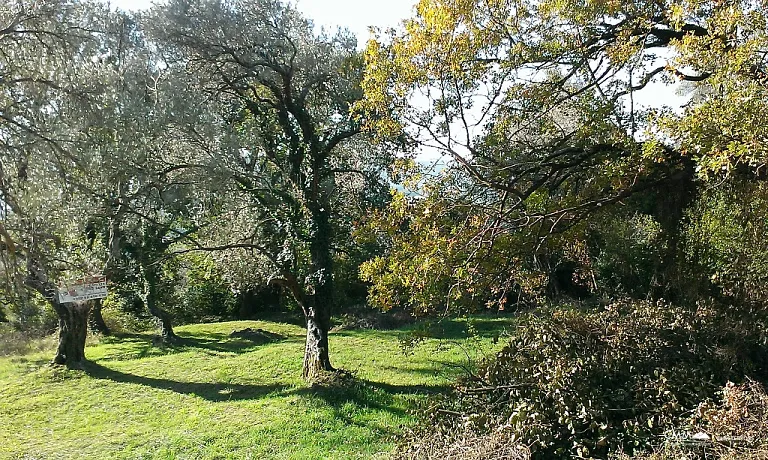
(215, 397)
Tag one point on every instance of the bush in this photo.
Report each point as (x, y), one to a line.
(735, 427)
(121, 320)
(627, 251)
(194, 291)
(738, 423)
(588, 383)
(727, 244)
(31, 315)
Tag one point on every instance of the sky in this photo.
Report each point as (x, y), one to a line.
(355, 15)
(359, 15)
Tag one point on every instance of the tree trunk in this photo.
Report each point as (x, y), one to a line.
(149, 296)
(73, 319)
(316, 359)
(97, 320)
(672, 201)
(319, 302)
(73, 329)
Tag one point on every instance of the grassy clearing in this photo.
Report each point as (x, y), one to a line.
(215, 397)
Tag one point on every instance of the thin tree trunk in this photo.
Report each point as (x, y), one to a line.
(149, 297)
(97, 320)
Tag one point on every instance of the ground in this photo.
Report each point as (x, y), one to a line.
(217, 397)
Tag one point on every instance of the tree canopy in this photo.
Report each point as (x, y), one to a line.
(544, 112)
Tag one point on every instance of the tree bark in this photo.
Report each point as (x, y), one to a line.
(316, 359)
(73, 330)
(73, 320)
(97, 323)
(149, 296)
(319, 302)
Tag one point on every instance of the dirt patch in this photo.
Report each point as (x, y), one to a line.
(258, 336)
(372, 320)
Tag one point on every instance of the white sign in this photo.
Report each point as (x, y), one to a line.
(80, 290)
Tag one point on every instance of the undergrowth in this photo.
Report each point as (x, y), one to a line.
(592, 383)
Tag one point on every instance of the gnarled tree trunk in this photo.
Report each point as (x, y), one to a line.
(73, 330)
(149, 296)
(97, 320)
(318, 305)
(73, 320)
(316, 359)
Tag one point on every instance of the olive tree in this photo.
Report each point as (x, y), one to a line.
(50, 84)
(281, 96)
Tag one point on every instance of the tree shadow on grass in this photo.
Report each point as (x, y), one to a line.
(348, 399)
(360, 394)
(143, 345)
(353, 403)
(459, 329)
(223, 344)
(208, 391)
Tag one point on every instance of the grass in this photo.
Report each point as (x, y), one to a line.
(216, 397)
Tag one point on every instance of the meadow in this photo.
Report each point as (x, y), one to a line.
(214, 396)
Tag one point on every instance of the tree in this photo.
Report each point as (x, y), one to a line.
(280, 98)
(49, 89)
(537, 106)
(147, 193)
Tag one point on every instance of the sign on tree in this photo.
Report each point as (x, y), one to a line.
(80, 290)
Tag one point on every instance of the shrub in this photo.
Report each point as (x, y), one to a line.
(588, 383)
(31, 315)
(726, 242)
(122, 320)
(732, 427)
(195, 291)
(738, 423)
(627, 249)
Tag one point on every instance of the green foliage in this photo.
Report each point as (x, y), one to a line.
(727, 244)
(626, 251)
(574, 382)
(440, 257)
(198, 291)
(535, 107)
(31, 315)
(126, 314)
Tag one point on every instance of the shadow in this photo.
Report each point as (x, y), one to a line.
(367, 394)
(410, 389)
(343, 399)
(142, 345)
(442, 329)
(355, 395)
(31, 363)
(429, 371)
(222, 344)
(461, 328)
(208, 391)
